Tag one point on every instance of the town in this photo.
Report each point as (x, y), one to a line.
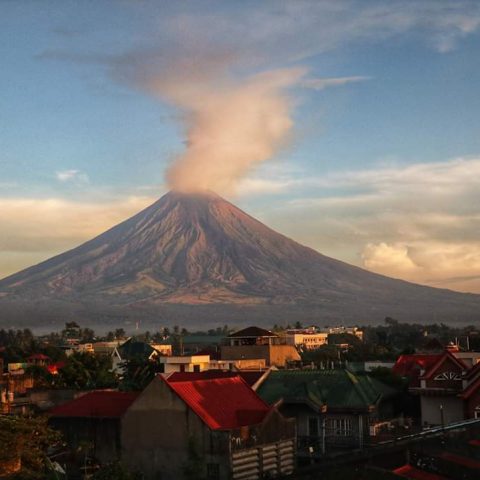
(391, 401)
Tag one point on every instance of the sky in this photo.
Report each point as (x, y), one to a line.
(351, 126)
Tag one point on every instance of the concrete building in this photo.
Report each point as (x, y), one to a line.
(306, 339)
(201, 363)
(255, 343)
(214, 429)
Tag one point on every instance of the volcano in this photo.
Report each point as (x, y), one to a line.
(197, 257)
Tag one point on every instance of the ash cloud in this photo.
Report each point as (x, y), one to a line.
(230, 128)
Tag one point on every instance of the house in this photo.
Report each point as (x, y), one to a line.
(255, 343)
(133, 350)
(215, 429)
(447, 385)
(306, 339)
(93, 419)
(334, 409)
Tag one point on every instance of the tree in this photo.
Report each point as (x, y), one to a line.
(138, 372)
(119, 333)
(86, 371)
(27, 440)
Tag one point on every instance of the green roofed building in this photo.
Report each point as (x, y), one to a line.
(333, 408)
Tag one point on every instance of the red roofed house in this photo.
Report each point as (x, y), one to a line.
(94, 418)
(216, 428)
(439, 381)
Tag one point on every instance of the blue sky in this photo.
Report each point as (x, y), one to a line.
(376, 164)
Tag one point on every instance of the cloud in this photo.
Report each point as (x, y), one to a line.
(223, 67)
(322, 83)
(71, 176)
(36, 229)
(418, 222)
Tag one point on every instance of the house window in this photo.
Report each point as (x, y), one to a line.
(196, 368)
(476, 412)
(213, 471)
(313, 426)
(341, 427)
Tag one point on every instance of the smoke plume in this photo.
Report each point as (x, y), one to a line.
(230, 127)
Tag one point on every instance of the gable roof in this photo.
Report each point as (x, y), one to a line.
(133, 348)
(222, 403)
(471, 388)
(335, 389)
(474, 371)
(410, 365)
(97, 404)
(443, 358)
(253, 332)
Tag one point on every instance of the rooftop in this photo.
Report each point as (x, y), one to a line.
(318, 388)
(250, 377)
(222, 403)
(97, 404)
(253, 332)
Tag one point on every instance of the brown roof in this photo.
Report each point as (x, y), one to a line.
(253, 332)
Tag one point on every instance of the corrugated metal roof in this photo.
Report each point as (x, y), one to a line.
(408, 471)
(250, 377)
(97, 404)
(333, 388)
(222, 403)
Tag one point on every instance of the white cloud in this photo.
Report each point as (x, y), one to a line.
(322, 83)
(71, 176)
(36, 229)
(419, 222)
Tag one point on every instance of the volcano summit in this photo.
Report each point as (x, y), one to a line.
(200, 250)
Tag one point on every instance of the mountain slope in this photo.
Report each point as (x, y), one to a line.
(200, 249)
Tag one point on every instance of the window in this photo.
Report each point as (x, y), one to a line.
(213, 471)
(313, 429)
(476, 412)
(196, 368)
(340, 426)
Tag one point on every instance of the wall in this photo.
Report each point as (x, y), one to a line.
(276, 355)
(452, 409)
(102, 434)
(157, 431)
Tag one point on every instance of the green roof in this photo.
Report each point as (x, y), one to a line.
(317, 388)
(134, 349)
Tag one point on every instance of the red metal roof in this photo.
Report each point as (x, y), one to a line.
(447, 355)
(222, 403)
(411, 365)
(251, 377)
(460, 460)
(97, 404)
(408, 471)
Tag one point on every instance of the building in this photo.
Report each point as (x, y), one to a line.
(215, 429)
(306, 339)
(447, 386)
(135, 350)
(355, 331)
(94, 419)
(257, 343)
(334, 409)
(200, 363)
